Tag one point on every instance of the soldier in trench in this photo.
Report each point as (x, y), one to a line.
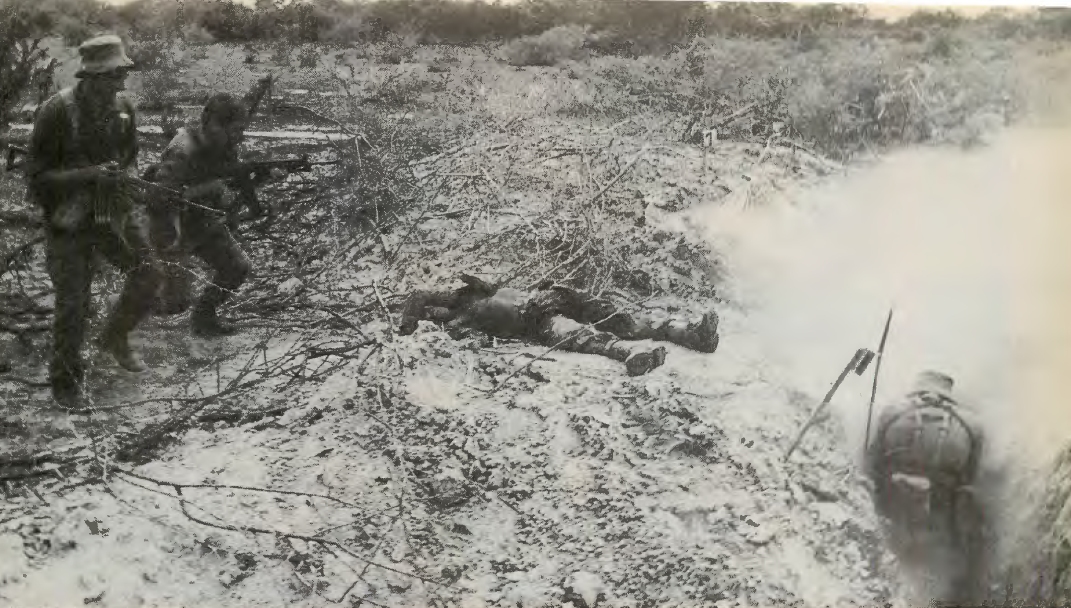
(923, 463)
(555, 315)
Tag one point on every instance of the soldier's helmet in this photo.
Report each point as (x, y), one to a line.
(103, 54)
(934, 383)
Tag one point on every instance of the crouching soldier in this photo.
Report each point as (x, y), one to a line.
(924, 462)
(199, 162)
(556, 315)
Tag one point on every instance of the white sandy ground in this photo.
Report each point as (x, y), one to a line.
(966, 245)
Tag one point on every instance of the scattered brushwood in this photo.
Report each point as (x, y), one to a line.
(521, 223)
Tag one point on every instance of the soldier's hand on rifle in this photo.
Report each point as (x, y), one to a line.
(278, 174)
(105, 173)
(228, 199)
(214, 190)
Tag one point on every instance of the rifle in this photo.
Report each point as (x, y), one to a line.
(169, 195)
(163, 192)
(259, 171)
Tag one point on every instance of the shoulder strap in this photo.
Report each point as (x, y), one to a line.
(70, 107)
(73, 118)
(946, 405)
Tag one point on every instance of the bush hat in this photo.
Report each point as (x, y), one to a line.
(935, 382)
(103, 55)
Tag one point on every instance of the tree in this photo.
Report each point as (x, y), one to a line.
(22, 60)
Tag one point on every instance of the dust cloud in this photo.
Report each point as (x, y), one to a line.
(968, 246)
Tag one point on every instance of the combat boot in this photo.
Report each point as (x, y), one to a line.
(69, 398)
(205, 322)
(699, 335)
(643, 358)
(117, 344)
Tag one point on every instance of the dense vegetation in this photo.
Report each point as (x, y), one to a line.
(633, 25)
(835, 77)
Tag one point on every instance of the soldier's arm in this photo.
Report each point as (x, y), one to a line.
(173, 171)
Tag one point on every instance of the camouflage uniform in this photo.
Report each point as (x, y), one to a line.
(924, 461)
(558, 315)
(189, 161)
(97, 219)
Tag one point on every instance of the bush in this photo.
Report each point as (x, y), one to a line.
(157, 89)
(150, 53)
(308, 57)
(281, 54)
(350, 31)
(196, 34)
(552, 47)
(23, 63)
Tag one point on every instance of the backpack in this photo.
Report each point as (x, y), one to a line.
(931, 439)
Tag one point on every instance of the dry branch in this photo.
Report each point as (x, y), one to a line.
(276, 533)
(10, 257)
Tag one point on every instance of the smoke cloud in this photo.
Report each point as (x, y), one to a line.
(968, 246)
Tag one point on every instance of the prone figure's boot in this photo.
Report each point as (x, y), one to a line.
(639, 356)
(644, 357)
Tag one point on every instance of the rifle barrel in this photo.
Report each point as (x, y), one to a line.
(174, 195)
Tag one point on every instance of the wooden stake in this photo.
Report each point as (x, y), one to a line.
(857, 362)
(874, 389)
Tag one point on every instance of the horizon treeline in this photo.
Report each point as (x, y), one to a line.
(636, 26)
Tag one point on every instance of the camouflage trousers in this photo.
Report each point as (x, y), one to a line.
(942, 530)
(71, 265)
(566, 319)
(697, 332)
(209, 239)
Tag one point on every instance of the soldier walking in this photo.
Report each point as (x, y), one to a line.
(201, 161)
(84, 140)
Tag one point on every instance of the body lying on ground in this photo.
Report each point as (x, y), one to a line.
(555, 315)
(924, 462)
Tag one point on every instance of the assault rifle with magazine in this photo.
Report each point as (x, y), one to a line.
(259, 171)
(111, 211)
(246, 176)
(15, 159)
